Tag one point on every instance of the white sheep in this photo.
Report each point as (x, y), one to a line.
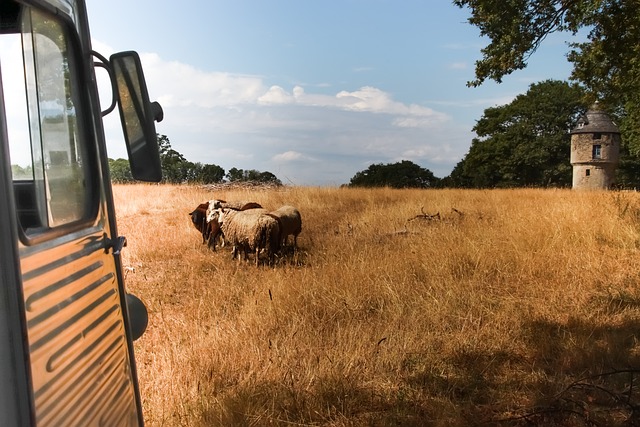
(250, 231)
(290, 223)
(211, 215)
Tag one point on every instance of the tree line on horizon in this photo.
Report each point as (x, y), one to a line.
(176, 169)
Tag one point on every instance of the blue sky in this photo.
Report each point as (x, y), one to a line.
(312, 91)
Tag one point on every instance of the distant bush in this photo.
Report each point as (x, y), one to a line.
(404, 174)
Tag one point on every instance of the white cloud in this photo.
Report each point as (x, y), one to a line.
(276, 95)
(291, 156)
(182, 85)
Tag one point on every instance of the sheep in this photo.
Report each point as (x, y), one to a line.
(210, 230)
(290, 223)
(241, 205)
(250, 230)
(211, 216)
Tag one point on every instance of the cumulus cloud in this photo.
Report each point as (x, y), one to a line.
(291, 156)
(276, 95)
(182, 85)
(371, 99)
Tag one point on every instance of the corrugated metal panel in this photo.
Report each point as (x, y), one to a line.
(78, 348)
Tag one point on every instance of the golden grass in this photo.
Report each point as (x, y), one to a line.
(504, 311)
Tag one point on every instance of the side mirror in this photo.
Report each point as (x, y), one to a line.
(137, 114)
(138, 316)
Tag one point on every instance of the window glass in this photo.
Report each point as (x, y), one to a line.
(597, 151)
(49, 162)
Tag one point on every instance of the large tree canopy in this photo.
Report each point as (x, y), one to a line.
(607, 65)
(404, 174)
(524, 143)
(516, 28)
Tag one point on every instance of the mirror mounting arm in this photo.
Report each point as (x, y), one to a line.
(104, 63)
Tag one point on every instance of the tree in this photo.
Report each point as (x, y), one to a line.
(120, 170)
(516, 28)
(526, 142)
(235, 174)
(404, 174)
(252, 175)
(177, 169)
(606, 65)
(208, 174)
(269, 178)
(22, 172)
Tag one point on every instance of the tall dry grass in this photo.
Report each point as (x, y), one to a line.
(515, 307)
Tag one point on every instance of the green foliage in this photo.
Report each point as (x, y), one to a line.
(516, 28)
(120, 170)
(19, 172)
(252, 175)
(404, 174)
(607, 65)
(524, 143)
(177, 169)
(207, 173)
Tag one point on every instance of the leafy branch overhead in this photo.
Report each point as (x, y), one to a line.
(516, 29)
(606, 61)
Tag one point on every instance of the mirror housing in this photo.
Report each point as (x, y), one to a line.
(137, 115)
(138, 316)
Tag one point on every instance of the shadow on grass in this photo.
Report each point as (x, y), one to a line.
(332, 401)
(575, 373)
(591, 373)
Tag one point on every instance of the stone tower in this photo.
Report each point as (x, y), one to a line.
(595, 150)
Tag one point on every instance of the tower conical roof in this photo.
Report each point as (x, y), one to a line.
(595, 121)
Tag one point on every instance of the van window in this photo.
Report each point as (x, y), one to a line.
(50, 165)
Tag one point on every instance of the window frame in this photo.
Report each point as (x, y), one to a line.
(596, 151)
(85, 133)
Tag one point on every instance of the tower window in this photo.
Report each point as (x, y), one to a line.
(588, 172)
(596, 152)
(597, 135)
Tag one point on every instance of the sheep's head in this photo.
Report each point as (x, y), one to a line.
(198, 216)
(220, 215)
(212, 215)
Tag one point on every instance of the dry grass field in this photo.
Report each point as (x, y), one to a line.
(514, 307)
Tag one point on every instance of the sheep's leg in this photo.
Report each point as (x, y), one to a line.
(211, 243)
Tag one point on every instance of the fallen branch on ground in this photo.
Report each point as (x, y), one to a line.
(426, 216)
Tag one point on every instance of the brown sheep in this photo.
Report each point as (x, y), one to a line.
(210, 231)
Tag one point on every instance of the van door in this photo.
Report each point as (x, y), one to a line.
(79, 355)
